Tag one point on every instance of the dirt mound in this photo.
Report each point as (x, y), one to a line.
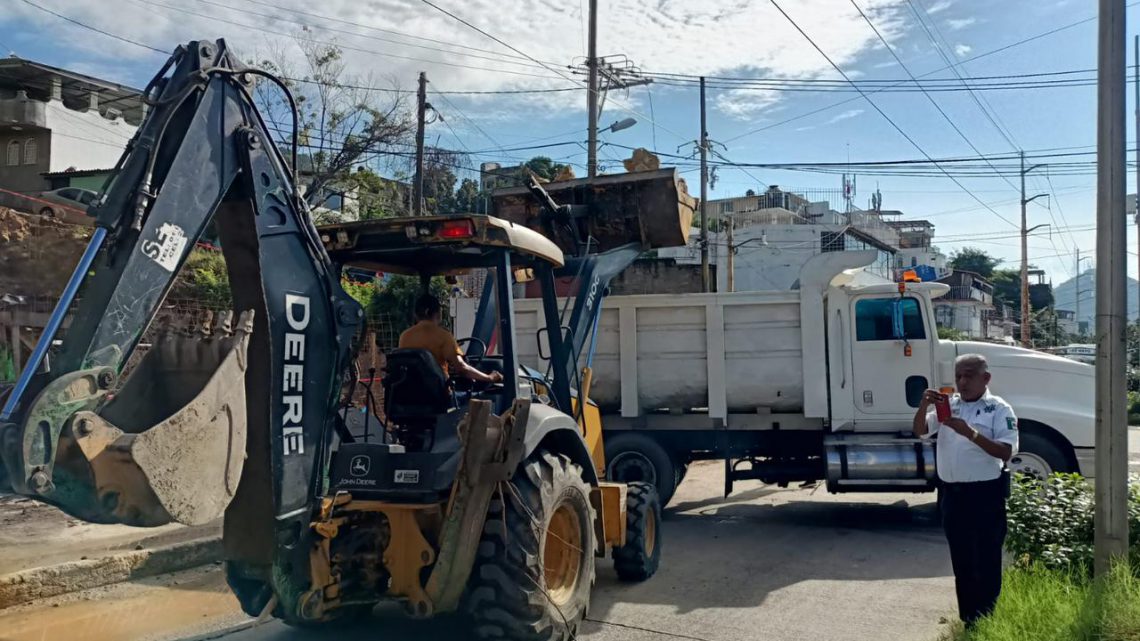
(37, 254)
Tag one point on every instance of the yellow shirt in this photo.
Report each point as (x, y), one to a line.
(435, 339)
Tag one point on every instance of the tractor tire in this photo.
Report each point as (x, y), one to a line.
(535, 564)
(633, 457)
(639, 558)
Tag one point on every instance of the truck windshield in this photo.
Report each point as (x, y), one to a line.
(873, 319)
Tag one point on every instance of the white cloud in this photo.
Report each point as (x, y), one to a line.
(962, 50)
(678, 36)
(957, 24)
(940, 6)
(850, 113)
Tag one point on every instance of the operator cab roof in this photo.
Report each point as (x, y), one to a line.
(436, 244)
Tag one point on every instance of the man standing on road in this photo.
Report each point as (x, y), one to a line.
(974, 444)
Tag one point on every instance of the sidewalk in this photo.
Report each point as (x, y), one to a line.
(44, 552)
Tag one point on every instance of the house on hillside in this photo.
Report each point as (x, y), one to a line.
(774, 233)
(59, 128)
(968, 307)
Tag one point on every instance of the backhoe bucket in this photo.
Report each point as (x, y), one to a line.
(170, 445)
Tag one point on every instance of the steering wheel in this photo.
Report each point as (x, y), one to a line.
(474, 361)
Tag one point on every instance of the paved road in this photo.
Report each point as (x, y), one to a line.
(784, 565)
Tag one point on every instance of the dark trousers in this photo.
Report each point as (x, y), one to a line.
(973, 517)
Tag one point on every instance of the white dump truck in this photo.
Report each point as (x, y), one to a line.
(814, 384)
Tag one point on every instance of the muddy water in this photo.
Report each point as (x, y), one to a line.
(128, 613)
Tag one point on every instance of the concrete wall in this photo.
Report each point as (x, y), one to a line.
(657, 276)
(85, 140)
(24, 177)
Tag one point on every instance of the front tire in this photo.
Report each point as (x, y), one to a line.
(47, 212)
(535, 566)
(1039, 456)
(640, 557)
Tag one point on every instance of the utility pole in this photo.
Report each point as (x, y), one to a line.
(1111, 516)
(421, 115)
(592, 92)
(1077, 303)
(1136, 199)
(1025, 317)
(704, 195)
(731, 254)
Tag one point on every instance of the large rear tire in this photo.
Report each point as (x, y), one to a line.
(535, 567)
(637, 458)
(639, 558)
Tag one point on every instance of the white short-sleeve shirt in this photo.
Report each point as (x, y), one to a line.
(961, 460)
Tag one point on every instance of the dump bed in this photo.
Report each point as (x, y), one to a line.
(717, 352)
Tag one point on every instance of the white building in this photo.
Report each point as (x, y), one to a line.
(774, 233)
(916, 248)
(54, 121)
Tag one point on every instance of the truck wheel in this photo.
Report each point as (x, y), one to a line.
(632, 458)
(535, 565)
(1038, 456)
(638, 559)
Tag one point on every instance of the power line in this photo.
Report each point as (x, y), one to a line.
(383, 54)
(930, 98)
(498, 57)
(544, 65)
(884, 114)
(95, 29)
(930, 73)
(278, 7)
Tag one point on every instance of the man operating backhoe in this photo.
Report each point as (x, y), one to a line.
(428, 334)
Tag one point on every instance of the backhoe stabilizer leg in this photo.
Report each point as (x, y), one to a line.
(493, 448)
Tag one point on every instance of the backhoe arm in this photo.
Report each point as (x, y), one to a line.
(239, 415)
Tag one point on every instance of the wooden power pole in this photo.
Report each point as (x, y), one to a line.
(704, 195)
(421, 115)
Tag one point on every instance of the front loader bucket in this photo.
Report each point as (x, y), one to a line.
(170, 445)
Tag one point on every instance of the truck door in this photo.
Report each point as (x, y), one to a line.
(891, 359)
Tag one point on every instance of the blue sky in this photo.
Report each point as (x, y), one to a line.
(740, 38)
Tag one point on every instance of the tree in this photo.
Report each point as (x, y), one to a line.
(951, 334)
(544, 167)
(975, 260)
(1007, 287)
(376, 197)
(468, 198)
(342, 123)
(439, 180)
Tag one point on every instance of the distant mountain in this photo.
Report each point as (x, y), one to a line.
(1065, 296)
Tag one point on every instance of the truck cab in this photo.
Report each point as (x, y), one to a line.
(884, 350)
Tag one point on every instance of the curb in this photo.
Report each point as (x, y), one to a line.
(73, 576)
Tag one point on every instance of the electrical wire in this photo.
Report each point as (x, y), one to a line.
(929, 73)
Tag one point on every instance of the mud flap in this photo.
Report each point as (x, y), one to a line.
(493, 447)
(171, 445)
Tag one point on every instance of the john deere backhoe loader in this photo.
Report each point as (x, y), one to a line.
(486, 499)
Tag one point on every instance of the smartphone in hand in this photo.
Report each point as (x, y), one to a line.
(942, 407)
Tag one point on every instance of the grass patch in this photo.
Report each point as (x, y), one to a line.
(1046, 604)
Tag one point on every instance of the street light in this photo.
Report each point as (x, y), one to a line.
(621, 124)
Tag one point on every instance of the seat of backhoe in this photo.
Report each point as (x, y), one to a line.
(415, 387)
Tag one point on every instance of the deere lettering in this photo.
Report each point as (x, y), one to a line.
(293, 414)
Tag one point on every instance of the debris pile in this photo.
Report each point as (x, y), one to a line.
(37, 254)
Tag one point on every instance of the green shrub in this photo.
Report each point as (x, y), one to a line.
(1051, 522)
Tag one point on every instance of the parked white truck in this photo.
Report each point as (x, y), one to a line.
(814, 384)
